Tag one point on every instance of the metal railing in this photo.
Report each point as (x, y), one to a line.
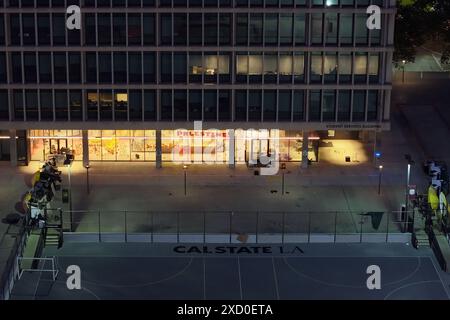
(11, 269)
(201, 226)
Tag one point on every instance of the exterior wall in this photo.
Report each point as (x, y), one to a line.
(40, 101)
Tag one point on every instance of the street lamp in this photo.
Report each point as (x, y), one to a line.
(185, 177)
(380, 168)
(68, 164)
(403, 71)
(408, 176)
(87, 178)
(283, 168)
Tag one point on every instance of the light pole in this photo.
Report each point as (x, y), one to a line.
(185, 178)
(403, 71)
(87, 178)
(380, 168)
(283, 168)
(408, 176)
(69, 164)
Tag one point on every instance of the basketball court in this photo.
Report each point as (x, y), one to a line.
(168, 272)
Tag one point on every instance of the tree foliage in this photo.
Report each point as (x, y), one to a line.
(418, 22)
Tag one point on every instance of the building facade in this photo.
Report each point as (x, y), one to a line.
(129, 85)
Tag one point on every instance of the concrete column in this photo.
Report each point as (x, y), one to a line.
(13, 147)
(85, 137)
(231, 145)
(305, 149)
(158, 149)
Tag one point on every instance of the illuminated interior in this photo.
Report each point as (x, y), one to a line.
(209, 146)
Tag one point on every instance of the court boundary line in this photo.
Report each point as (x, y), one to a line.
(409, 285)
(419, 264)
(268, 256)
(440, 278)
(240, 278)
(178, 273)
(275, 278)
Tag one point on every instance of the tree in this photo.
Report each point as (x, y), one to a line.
(418, 21)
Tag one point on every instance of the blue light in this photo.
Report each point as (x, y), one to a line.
(378, 154)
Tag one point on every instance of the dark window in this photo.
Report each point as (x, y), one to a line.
(59, 29)
(134, 3)
(104, 28)
(14, 24)
(271, 29)
(119, 29)
(195, 105)
(284, 105)
(29, 60)
(76, 106)
(254, 105)
(135, 105)
(210, 105)
(241, 29)
(180, 67)
(166, 67)
(316, 26)
(224, 105)
(45, 73)
(2, 29)
(135, 67)
(59, 64)
(329, 100)
(286, 29)
(120, 67)
(346, 28)
(314, 105)
(149, 105)
(4, 110)
(270, 105)
(372, 107)
(16, 59)
(180, 29)
(149, 28)
(18, 105)
(299, 25)
(195, 29)
(91, 67)
(134, 29)
(211, 31)
(43, 29)
(240, 103)
(104, 67)
(166, 105)
(31, 105)
(149, 67)
(359, 105)
(166, 29)
(344, 105)
(3, 67)
(92, 105)
(46, 100)
(299, 105)
(90, 32)
(61, 106)
(28, 29)
(74, 67)
(180, 105)
(225, 29)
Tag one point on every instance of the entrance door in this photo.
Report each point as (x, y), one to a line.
(55, 145)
